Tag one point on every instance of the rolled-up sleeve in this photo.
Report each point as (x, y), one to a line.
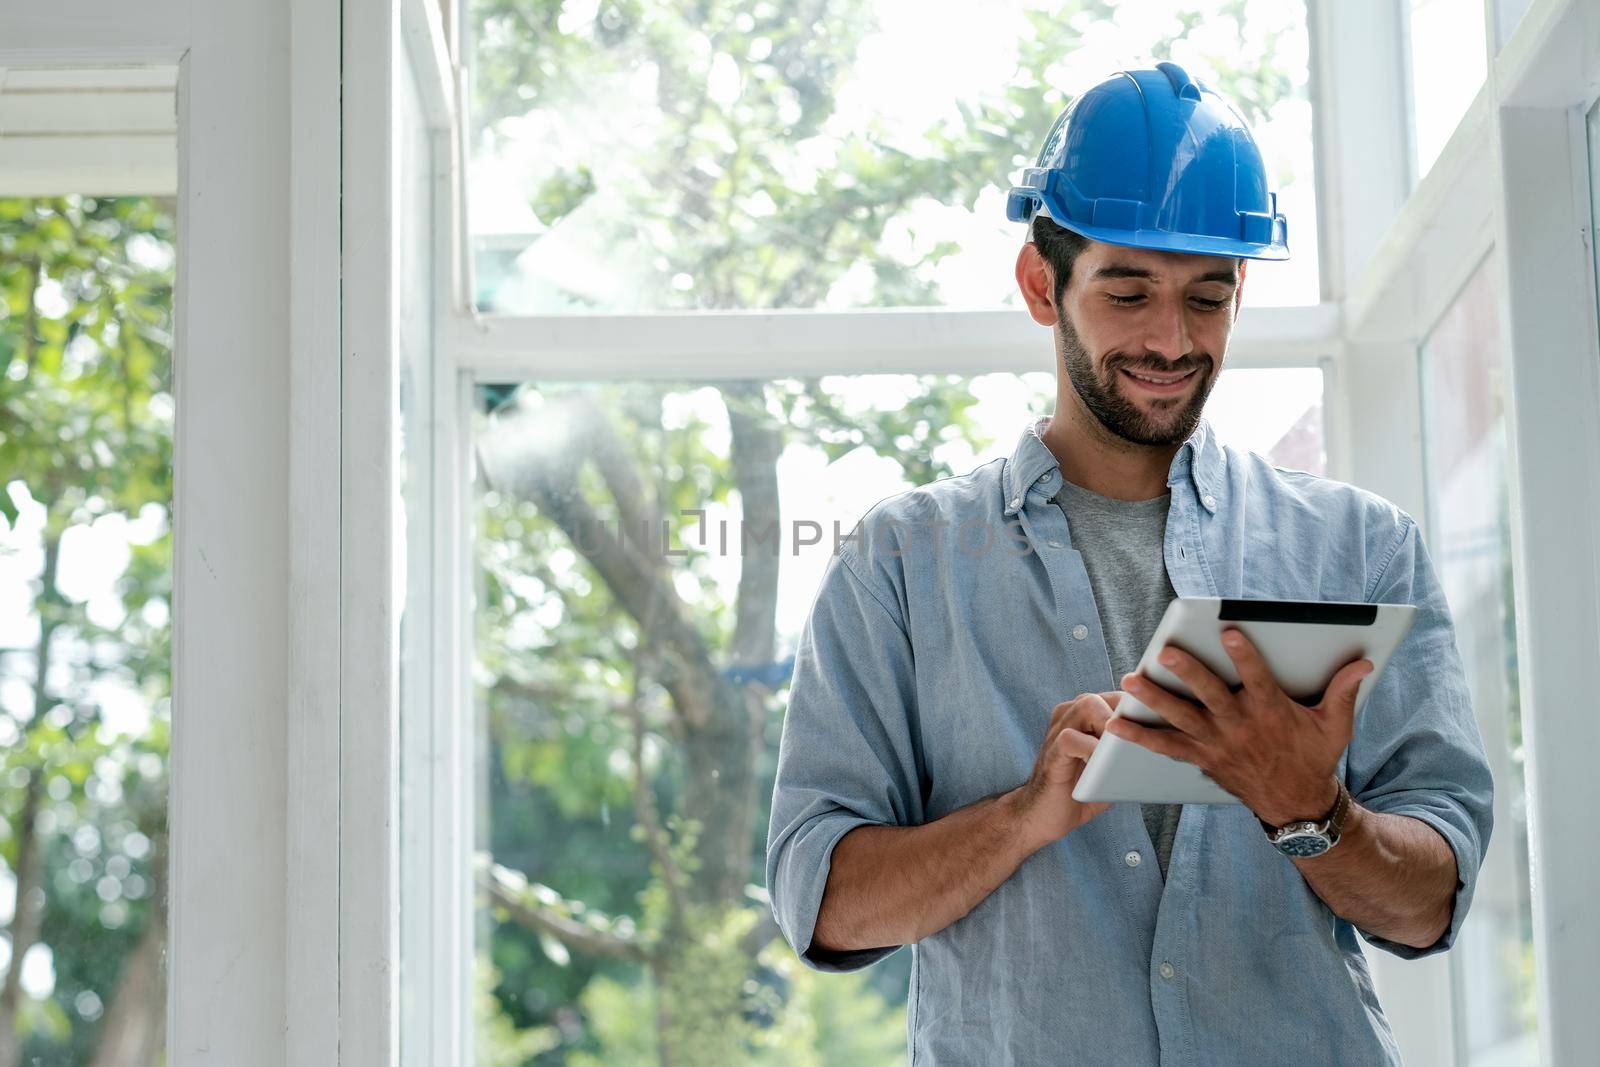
(1417, 750)
(849, 754)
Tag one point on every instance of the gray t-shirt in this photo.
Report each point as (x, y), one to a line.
(1121, 542)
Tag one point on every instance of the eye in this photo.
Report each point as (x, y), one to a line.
(1124, 300)
(1209, 305)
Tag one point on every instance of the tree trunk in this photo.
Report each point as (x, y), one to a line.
(134, 1031)
(28, 911)
(25, 921)
(757, 442)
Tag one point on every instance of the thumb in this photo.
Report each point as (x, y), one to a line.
(1341, 692)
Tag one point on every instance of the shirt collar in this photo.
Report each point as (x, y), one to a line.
(1033, 465)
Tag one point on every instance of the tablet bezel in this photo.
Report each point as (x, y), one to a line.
(1305, 643)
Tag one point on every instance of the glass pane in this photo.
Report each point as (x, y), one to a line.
(86, 433)
(1469, 536)
(660, 156)
(633, 655)
(1448, 63)
(1276, 412)
(1507, 15)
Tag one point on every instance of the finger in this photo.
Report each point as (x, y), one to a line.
(1090, 713)
(1339, 700)
(1212, 691)
(1172, 743)
(1058, 722)
(1072, 714)
(1179, 712)
(1076, 743)
(1068, 707)
(1247, 661)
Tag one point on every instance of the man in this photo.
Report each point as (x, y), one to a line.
(945, 698)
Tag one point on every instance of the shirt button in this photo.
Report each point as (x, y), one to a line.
(1045, 477)
(1080, 631)
(1055, 544)
(1132, 859)
(1209, 501)
(1015, 502)
(1167, 971)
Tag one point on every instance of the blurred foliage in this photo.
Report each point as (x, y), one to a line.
(700, 155)
(86, 414)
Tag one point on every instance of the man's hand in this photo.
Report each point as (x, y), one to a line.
(1044, 802)
(1277, 756)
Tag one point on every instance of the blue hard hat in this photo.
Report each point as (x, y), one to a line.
(1155, 159)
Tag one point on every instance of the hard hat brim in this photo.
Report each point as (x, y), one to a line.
(1167, 241)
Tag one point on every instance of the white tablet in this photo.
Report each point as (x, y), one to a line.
(1304, 642)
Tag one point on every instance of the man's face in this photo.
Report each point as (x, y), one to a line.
(1142, 335)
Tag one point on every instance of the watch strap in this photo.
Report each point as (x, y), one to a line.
(1340, 812)
(1334, 820)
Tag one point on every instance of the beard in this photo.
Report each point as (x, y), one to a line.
(1174, 418)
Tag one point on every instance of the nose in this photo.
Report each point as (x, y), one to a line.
(1167, 330)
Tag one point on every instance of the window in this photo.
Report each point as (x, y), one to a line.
(638, 157)
(646, 556)
(1508, 14)
(1448, 61)
(1469, 536)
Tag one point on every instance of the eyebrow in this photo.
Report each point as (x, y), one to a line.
(1122, 270)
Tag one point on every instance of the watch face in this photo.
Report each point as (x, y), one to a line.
(1303, 843)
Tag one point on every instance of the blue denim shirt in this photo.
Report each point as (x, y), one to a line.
(924, 681)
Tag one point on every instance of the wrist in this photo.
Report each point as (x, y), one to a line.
(1302, 839)
(1017, 823)
(1316, 808)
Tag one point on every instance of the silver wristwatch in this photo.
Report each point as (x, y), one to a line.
(1311, 837)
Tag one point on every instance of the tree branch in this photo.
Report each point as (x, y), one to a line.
(644, 801)
(30, 322)
(636, 505)
(541, 909)
(521, 460)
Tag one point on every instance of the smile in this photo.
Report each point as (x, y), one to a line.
(1157, 383)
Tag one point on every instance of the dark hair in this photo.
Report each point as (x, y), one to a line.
(1060, 248)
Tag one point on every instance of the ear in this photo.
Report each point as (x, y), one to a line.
(1037, 282)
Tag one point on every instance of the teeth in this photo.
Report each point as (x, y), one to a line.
(1159, 381)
